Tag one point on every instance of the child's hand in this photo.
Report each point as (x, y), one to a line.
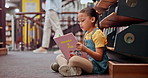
(80, 47)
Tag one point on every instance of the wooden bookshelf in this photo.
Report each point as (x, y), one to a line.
(128, 70)
(8, 32)
(115, 21)
(3, 50)
(1, 27)
(1, 42)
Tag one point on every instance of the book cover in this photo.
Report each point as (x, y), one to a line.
(67, 44)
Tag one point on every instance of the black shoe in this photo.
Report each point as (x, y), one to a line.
(55, 67)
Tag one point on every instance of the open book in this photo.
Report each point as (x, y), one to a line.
(67, 44)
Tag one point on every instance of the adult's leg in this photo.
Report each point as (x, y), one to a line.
(55, 23)
(81, 62)
(46, 30)
(46, 35)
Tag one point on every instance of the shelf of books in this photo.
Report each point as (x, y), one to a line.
(123, 22)
(8, 32)
(0, 32)
(1, 42)
(3, 50)
(1, 27)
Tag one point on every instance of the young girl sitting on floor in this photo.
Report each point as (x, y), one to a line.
(95, 42)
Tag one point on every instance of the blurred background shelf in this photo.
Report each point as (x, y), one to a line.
(3, 50)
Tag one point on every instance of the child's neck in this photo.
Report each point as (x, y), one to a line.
(91, 29)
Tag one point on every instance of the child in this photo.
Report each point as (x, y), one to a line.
(95, 43)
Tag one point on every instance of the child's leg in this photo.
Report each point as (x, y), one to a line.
(81, 62)
(60, 59)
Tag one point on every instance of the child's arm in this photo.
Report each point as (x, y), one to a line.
(96, 55)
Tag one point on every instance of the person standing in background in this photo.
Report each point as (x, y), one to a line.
(52, 21)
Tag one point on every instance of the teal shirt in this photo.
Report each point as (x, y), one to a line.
(99, 67)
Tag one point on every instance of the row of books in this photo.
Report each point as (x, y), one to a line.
(111, 34)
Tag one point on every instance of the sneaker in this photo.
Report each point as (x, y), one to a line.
(70, 71)
(58, 52)
(40, 50)
(55, 67)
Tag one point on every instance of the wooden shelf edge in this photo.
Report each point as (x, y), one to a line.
(8, 42)
(1, 27)
(1, 42)
(3, 51)
(127, 70)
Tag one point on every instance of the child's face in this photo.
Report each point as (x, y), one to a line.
(85, 21)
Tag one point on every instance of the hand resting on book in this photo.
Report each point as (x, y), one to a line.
(81, 47)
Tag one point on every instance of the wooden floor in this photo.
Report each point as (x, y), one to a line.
(26, 64)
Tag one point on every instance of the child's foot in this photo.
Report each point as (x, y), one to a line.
(55, 67)
(70, 71)
(40, 50)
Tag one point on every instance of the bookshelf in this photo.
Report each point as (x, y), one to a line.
(8, 32)
(125, 24)
(3, 50)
